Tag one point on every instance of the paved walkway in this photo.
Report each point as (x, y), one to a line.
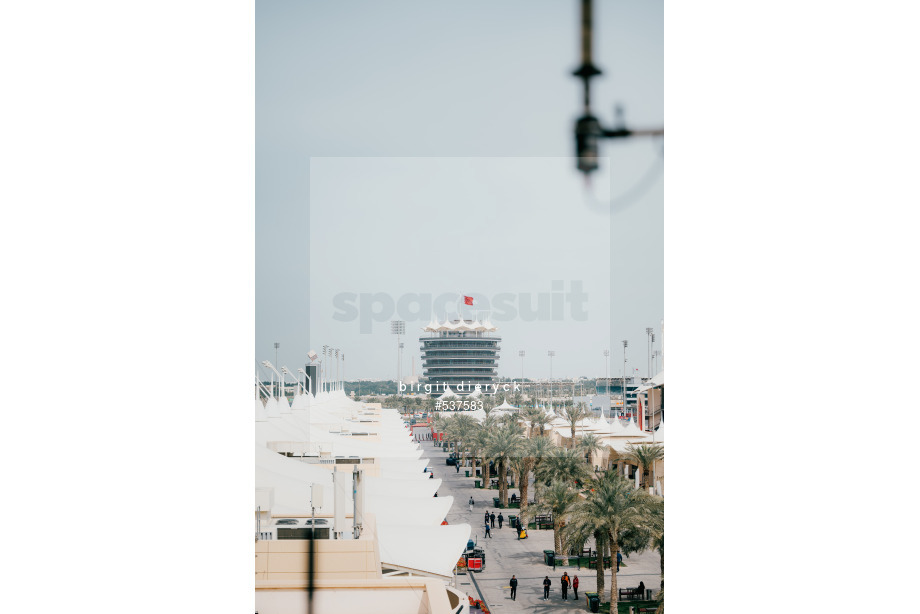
(506, 554)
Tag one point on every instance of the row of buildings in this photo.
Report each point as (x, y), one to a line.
(334, 483)
(462, 354)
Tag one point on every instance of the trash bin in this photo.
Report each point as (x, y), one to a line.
(512, 521)
(594, 602)
(549, 557)
(477, 483)
(467, 472)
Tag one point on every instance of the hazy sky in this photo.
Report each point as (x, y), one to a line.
(421, 148)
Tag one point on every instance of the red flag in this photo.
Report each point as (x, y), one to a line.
(467, 300)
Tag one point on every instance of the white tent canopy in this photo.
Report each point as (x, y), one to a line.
(430, 549)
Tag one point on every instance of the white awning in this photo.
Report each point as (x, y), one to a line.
(434, 550)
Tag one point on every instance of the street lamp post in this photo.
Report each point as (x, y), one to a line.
(606, 373)
(337, 383)
(625, 345)
(286, 371)
(265, 363)
(521, 354)
(398, 327)
(322, 378)
(277, 345)
(651, 336)
(551, 353)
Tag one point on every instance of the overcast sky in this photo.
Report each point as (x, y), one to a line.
(420, 148)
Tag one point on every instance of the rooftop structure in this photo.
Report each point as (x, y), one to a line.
(460, 354)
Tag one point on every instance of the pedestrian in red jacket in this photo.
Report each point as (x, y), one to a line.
(575, 587)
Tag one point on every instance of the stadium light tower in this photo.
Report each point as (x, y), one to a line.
(650, 335)
(625, 345)
(606, 371)
(398, 328)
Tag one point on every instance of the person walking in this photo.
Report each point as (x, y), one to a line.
(471, 504)
(488, 532)
(513, 587)
(619, 560)
(565, 585)
(492, 519)
(457, 465)
(501, 519)
(546, 584)
(575, 587)
(487, 516)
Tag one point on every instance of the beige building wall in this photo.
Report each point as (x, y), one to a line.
(403, 595)
(654, 406)
(283, 561)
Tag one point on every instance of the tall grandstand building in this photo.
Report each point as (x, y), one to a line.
(458, 355)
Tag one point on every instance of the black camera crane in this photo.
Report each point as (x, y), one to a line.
(588, 129)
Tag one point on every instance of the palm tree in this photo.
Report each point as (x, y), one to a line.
(657, 528)
(531, 451)
(540, 448)
(473, 444)
(483, 443)
(587, 444)
(463, 426)
(574, 415)
(558, 499)
(440, 423)
(521, 466)
(645, 455)
(537, 419)
(562, 462)
(504, 444)
(575, 532)
(620, 512)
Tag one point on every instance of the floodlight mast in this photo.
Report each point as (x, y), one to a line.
(625, 345)
(398, 328)
(265, 363)
(588, 129)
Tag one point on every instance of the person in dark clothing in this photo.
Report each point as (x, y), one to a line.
(641, 590)
(619, 560)
(501, 519)
(546, 585)
(513, 588)
(488, 532)
(492, 519)
(565, 585)
(457, 465)
(575, 587)
(487, 516)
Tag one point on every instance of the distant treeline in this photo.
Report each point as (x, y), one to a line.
(373, 388)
